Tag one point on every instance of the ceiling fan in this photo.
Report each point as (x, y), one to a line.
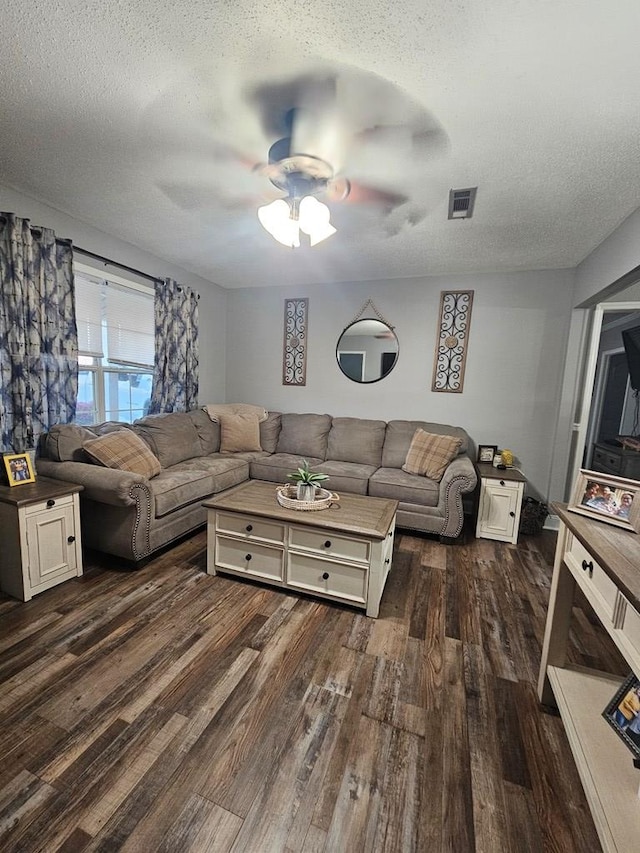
(332, 136)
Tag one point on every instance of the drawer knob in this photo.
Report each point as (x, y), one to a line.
(71, 539)
(387, 561)
(249, 528)
(248, 557)
(325, 576)
(588, 567)
(51, 502)
(502, 482)
(327, 544)
(512, 514)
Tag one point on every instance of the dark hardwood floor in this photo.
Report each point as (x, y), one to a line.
(166, 710)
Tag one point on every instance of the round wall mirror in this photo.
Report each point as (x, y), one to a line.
(367, 350)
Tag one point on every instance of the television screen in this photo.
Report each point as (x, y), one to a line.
(631, 341)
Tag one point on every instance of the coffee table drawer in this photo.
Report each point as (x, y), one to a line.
(249, 558)
(315, 575)
(327, 544)
(250, 527)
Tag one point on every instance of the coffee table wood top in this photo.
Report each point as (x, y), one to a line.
(359, 514)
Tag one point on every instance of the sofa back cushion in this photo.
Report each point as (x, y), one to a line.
(208, 431)
(63, 443)
(270, 432)
(356, 440)
(399, 436)
(172, 437)
(124, 450)
(304, 435)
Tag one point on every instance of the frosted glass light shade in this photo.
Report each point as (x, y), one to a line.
(314, 219)
(276, 219)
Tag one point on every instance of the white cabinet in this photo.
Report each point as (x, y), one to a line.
(500, 503)
(40, 532)
(602, 561)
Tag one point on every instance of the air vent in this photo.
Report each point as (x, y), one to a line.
(461, 203)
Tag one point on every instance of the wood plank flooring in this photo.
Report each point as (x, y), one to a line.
(166, 710)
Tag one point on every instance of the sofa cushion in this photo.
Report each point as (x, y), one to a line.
(356, 440)
(346, 476)
(64, 443)
(304, 435)
(125, 451)
(407, 488)
(239, 432)
(195, 480)
(429, 454)
(275, 468)
(270, 431)
(208, 431)
(172, 437)
(399, 436)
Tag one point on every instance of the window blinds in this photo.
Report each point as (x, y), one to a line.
(89, 316)
(130, 326)
(114, 322)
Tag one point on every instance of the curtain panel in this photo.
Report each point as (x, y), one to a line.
(175, 373)
(38, 336)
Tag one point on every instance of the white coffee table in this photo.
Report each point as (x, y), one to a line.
(342, 553)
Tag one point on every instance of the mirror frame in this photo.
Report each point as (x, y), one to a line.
(395, 361)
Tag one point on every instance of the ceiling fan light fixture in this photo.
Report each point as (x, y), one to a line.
(285, 218)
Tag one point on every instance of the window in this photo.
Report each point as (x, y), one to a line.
(115, 347)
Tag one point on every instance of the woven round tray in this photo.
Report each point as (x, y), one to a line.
(286, 496)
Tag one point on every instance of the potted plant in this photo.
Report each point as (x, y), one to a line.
(307, 481)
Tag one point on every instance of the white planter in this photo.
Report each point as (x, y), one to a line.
(306, 492)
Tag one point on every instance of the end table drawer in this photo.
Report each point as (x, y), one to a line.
(591, 576)
(249, 558)
(52, 503)
(314, 575)
(329, 545)
(250, 527)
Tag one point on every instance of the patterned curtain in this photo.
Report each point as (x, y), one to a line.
(38, 336)
(175, 373)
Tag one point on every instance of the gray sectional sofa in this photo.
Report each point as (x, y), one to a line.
(130, 516)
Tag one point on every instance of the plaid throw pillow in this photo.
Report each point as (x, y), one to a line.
(124, 450)
(429, 454)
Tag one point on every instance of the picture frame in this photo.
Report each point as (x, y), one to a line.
(623, 713)
(486, 452)
(19, 469)
(605, 497)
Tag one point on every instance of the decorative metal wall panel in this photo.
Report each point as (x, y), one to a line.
(453, 339)
(294, 357)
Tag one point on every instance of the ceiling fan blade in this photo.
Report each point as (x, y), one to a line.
(196, 197)
(352, 192)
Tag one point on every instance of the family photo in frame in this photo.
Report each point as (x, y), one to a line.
(614, 500)
(623, 713)
(19, 469)
(486, 452)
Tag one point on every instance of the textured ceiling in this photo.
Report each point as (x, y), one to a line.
(123, 115)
